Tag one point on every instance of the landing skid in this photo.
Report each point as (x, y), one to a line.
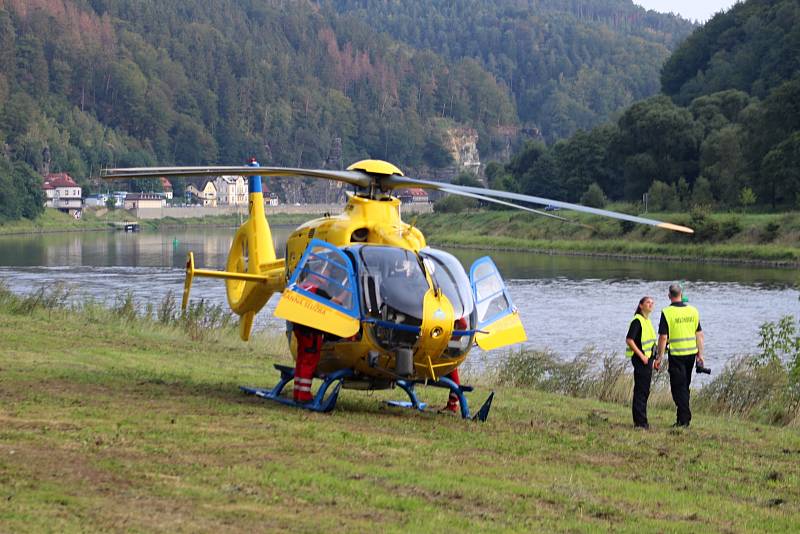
(321, 403)
(442, 382)
(318, 404)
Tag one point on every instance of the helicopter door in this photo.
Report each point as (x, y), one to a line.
(322, 292)
(498, 318)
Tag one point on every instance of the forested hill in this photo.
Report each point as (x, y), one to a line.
(568, 64)
(753, 47)
(725, 133)
(91, 83)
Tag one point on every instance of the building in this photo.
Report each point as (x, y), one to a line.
(414, 195)
(119, 198)
(135, 201)
(207, 197)
(270, 198)
(231, 190)
(96, 201)
(166, 185)
(61, 192)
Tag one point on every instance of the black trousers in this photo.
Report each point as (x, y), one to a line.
(680, 377)
(642, 375)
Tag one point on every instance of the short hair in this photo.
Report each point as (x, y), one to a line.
(675, 291)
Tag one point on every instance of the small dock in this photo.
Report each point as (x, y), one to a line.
(125, 226)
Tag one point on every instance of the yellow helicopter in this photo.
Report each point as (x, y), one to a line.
(394, 312)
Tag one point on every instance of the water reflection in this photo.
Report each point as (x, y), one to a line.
(566, 302)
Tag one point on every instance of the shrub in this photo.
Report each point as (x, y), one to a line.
(765, 386)
(730, 227)
(705, 228)
(662, 197)
(454, 204)
(770, 232)
(594, 196)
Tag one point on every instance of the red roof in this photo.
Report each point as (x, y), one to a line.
(60, 179)
(414, 192)
(165, 184)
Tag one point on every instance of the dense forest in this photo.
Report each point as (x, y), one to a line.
(86, 84)
(567, 64)
(724, 133)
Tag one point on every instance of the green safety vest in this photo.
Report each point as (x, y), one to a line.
(682, 322)
(648, 336)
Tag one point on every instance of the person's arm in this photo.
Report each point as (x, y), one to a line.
(632, 344)
(662, 345)
(663, 331)
(700, 346)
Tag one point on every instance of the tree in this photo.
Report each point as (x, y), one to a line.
(21, 192)
(656, 139)
(662, 197)
(701, 193)
(594, 196)
(722, 162)
(780, 171)
(746, 198)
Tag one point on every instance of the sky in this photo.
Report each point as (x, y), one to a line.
(699, 10)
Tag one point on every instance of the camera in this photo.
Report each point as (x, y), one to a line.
(699, 368)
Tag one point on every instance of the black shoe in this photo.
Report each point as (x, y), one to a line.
(641, 427)
(680, 425)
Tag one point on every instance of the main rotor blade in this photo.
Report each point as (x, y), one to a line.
(394, 182)
(356, 178)
(504, 203)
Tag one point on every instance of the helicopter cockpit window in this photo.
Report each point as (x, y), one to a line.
(326, 276)
(449, 275)
(491, 299)
(398, 279)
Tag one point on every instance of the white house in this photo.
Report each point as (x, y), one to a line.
(61, 192)
(206, 197)
(231, 190)
(96, 201)
(166, 185)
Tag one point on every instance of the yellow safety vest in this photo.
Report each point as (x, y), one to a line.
(648, 336)
(682, 322)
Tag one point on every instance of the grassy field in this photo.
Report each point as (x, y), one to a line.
(772, 238)
(53, 220)
(110, 422)
(100, 219)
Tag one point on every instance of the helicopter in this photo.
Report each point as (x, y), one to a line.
(394, 311)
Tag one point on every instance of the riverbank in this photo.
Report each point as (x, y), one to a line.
(758, 238)
(106, 414)
(761, 239)
(53, 221)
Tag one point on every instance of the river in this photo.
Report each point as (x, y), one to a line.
(566, 302)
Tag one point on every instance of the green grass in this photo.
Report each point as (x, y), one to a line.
(109, 422)
(768, 238)
(53, 220)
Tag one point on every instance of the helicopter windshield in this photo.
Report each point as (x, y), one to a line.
(448, 274)
(399, 277)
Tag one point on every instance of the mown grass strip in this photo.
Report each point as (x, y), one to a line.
(112, 422)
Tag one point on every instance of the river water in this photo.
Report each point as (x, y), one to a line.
(566, 302)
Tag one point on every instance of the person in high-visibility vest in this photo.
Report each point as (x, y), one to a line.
(640, 341)
(680, 326)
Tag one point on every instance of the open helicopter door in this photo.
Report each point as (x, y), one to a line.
(322, 292)
(498, 319)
